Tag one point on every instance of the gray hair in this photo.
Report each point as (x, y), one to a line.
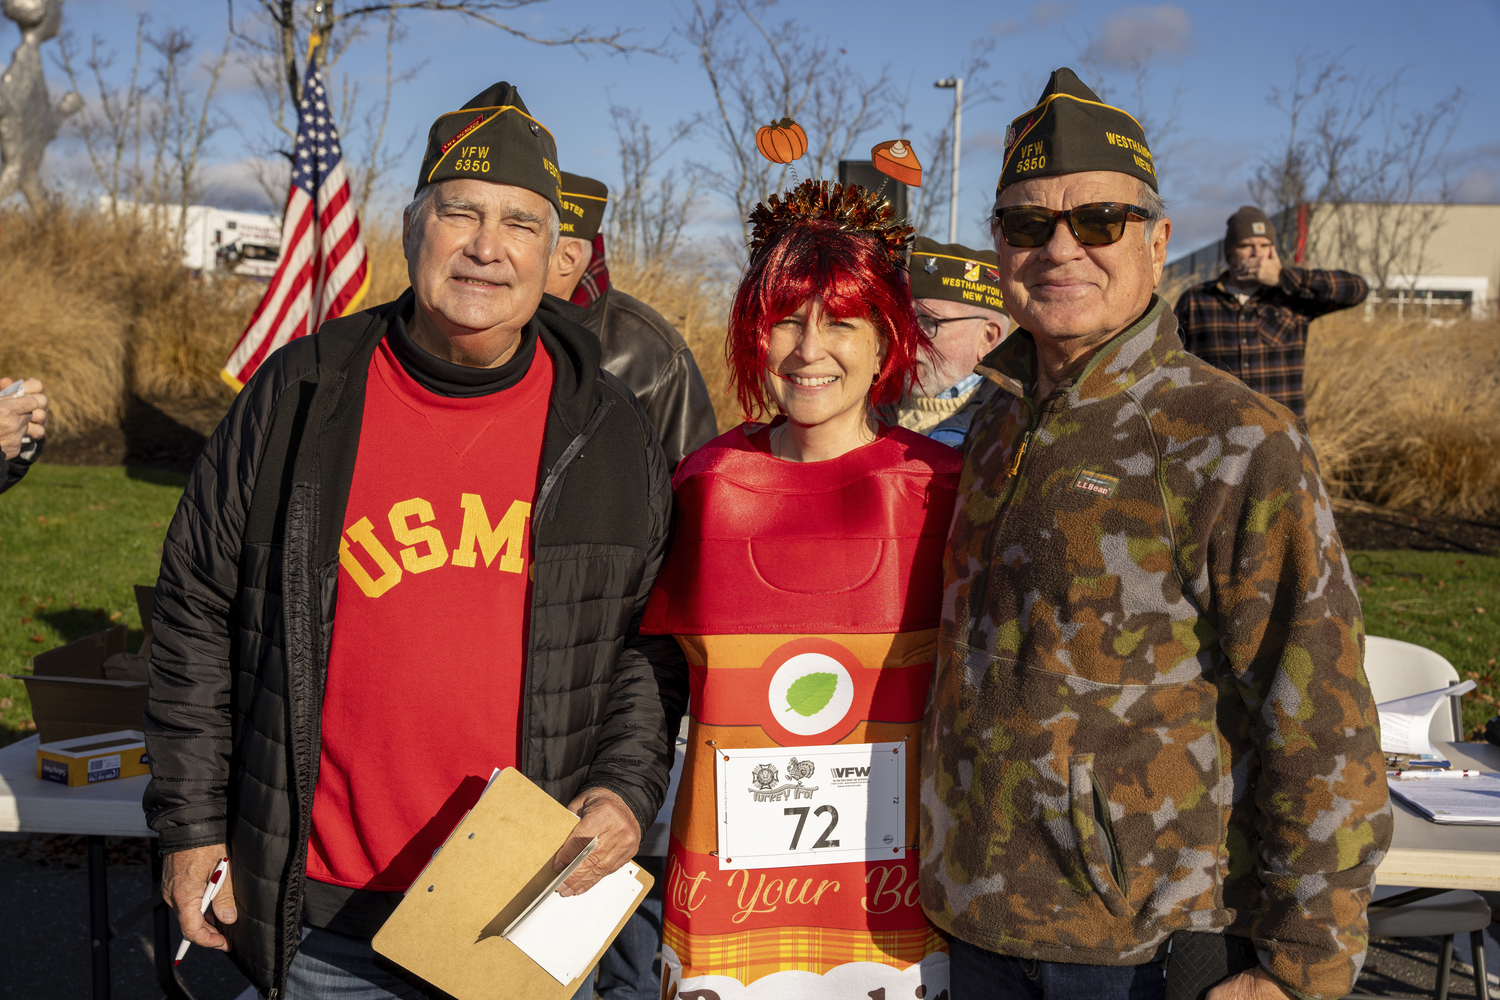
(1146, 197)
(1152, 202)
(419, 201)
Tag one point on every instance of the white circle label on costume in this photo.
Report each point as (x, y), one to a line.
(810, 693)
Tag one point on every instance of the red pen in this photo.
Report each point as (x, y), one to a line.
(215, 883)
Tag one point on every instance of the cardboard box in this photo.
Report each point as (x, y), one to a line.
(74, 695)
(93, 758)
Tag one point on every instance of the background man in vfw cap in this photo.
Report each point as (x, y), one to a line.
(417, 548)
(640, 346)
(1149, 721)
(1252, 320)
(956, 294)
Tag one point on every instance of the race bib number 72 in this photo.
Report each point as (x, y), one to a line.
(782, 807)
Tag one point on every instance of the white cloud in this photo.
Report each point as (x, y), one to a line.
(1048, 11)
(1478, 172)
(233, 184)
(1135, 35)
(1042, 15)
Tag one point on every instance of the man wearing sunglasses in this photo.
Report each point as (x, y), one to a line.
(1148, 729)
(1252, 320)
(956, 294)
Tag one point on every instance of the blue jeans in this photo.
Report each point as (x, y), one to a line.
(977, 974)
(629, 969)
(331, 966)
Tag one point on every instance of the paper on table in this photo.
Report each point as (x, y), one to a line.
(1404, 722)
(1474, 800)
(564, 933)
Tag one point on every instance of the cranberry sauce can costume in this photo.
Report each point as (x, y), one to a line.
(831, 569)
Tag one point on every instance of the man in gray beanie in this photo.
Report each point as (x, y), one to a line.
(1252, 320)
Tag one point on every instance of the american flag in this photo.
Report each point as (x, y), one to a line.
(323, 271)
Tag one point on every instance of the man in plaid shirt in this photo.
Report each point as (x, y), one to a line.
(1252, 320)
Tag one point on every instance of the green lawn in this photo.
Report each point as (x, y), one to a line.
(74, 539)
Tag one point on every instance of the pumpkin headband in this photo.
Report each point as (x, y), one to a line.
(849, 208)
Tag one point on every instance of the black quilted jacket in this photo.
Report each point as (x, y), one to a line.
(245, 605)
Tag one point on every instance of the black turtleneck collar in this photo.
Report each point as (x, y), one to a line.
(445, 378)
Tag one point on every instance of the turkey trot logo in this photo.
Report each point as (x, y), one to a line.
(763, 778)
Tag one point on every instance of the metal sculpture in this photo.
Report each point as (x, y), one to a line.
(28, 120)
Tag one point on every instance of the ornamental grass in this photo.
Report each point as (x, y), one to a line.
(1406, 414)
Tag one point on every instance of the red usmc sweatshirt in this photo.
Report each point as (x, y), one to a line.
(423, 695)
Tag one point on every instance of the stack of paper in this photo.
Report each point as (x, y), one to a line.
(1404, 722)
(1456, 797)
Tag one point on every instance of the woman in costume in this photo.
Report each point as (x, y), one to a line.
(804, 584)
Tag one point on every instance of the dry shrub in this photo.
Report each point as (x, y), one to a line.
(183, 332)
(62, 272)
(387, 262)
(696, 301)
(99, 308)
(1407, 414)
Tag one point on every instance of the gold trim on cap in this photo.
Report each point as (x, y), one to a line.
(591, 197)
(498, 112)
(949, 256)
(1081, 100)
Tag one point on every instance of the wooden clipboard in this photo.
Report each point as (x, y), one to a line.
(447, 929)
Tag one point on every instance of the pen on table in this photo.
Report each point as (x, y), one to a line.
(215, 883)
(1437, 774)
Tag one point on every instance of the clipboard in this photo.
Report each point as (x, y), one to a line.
(450, 927)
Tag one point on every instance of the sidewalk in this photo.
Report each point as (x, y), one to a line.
(44, 945)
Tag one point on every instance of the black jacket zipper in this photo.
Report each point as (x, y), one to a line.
(538, 516)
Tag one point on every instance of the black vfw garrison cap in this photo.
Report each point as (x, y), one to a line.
(954, 272)
(583, 201)
(493, 138)
(1069, 131)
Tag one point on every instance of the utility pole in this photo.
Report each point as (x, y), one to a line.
(956, 84)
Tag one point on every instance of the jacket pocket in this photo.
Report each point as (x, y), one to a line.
(1089, 810)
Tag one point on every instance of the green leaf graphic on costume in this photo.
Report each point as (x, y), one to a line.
(811, 693)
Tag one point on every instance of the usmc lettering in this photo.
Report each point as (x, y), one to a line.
(423, 547)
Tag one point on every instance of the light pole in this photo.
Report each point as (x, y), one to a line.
(957, 85)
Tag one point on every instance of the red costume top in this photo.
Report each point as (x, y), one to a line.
(770, 561)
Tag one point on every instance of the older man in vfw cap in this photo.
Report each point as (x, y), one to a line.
(640, 345)
(1252, 320)
(956, 294)
(1149, 721)
(416, 549)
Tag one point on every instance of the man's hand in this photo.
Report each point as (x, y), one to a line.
(605, 815)
(184, 876)
(1255, 984)
(22, 416)
(1263, 270)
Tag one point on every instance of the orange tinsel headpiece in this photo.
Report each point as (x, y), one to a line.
(848, 208)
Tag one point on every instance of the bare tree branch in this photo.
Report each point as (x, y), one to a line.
(647, 214)
(1361, 174)
(760, 72)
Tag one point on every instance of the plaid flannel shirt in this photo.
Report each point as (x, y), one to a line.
(1262, 342)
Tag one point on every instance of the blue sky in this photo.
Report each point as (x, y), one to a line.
(1221, 59)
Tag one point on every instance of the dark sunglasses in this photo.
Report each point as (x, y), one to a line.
(1097, 224)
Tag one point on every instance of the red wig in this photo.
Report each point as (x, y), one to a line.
(853, 274)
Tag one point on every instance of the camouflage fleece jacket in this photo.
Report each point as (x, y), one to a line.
(1150, 712)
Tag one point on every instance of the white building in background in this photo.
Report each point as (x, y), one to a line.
(1459, 266)
(216, 240)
